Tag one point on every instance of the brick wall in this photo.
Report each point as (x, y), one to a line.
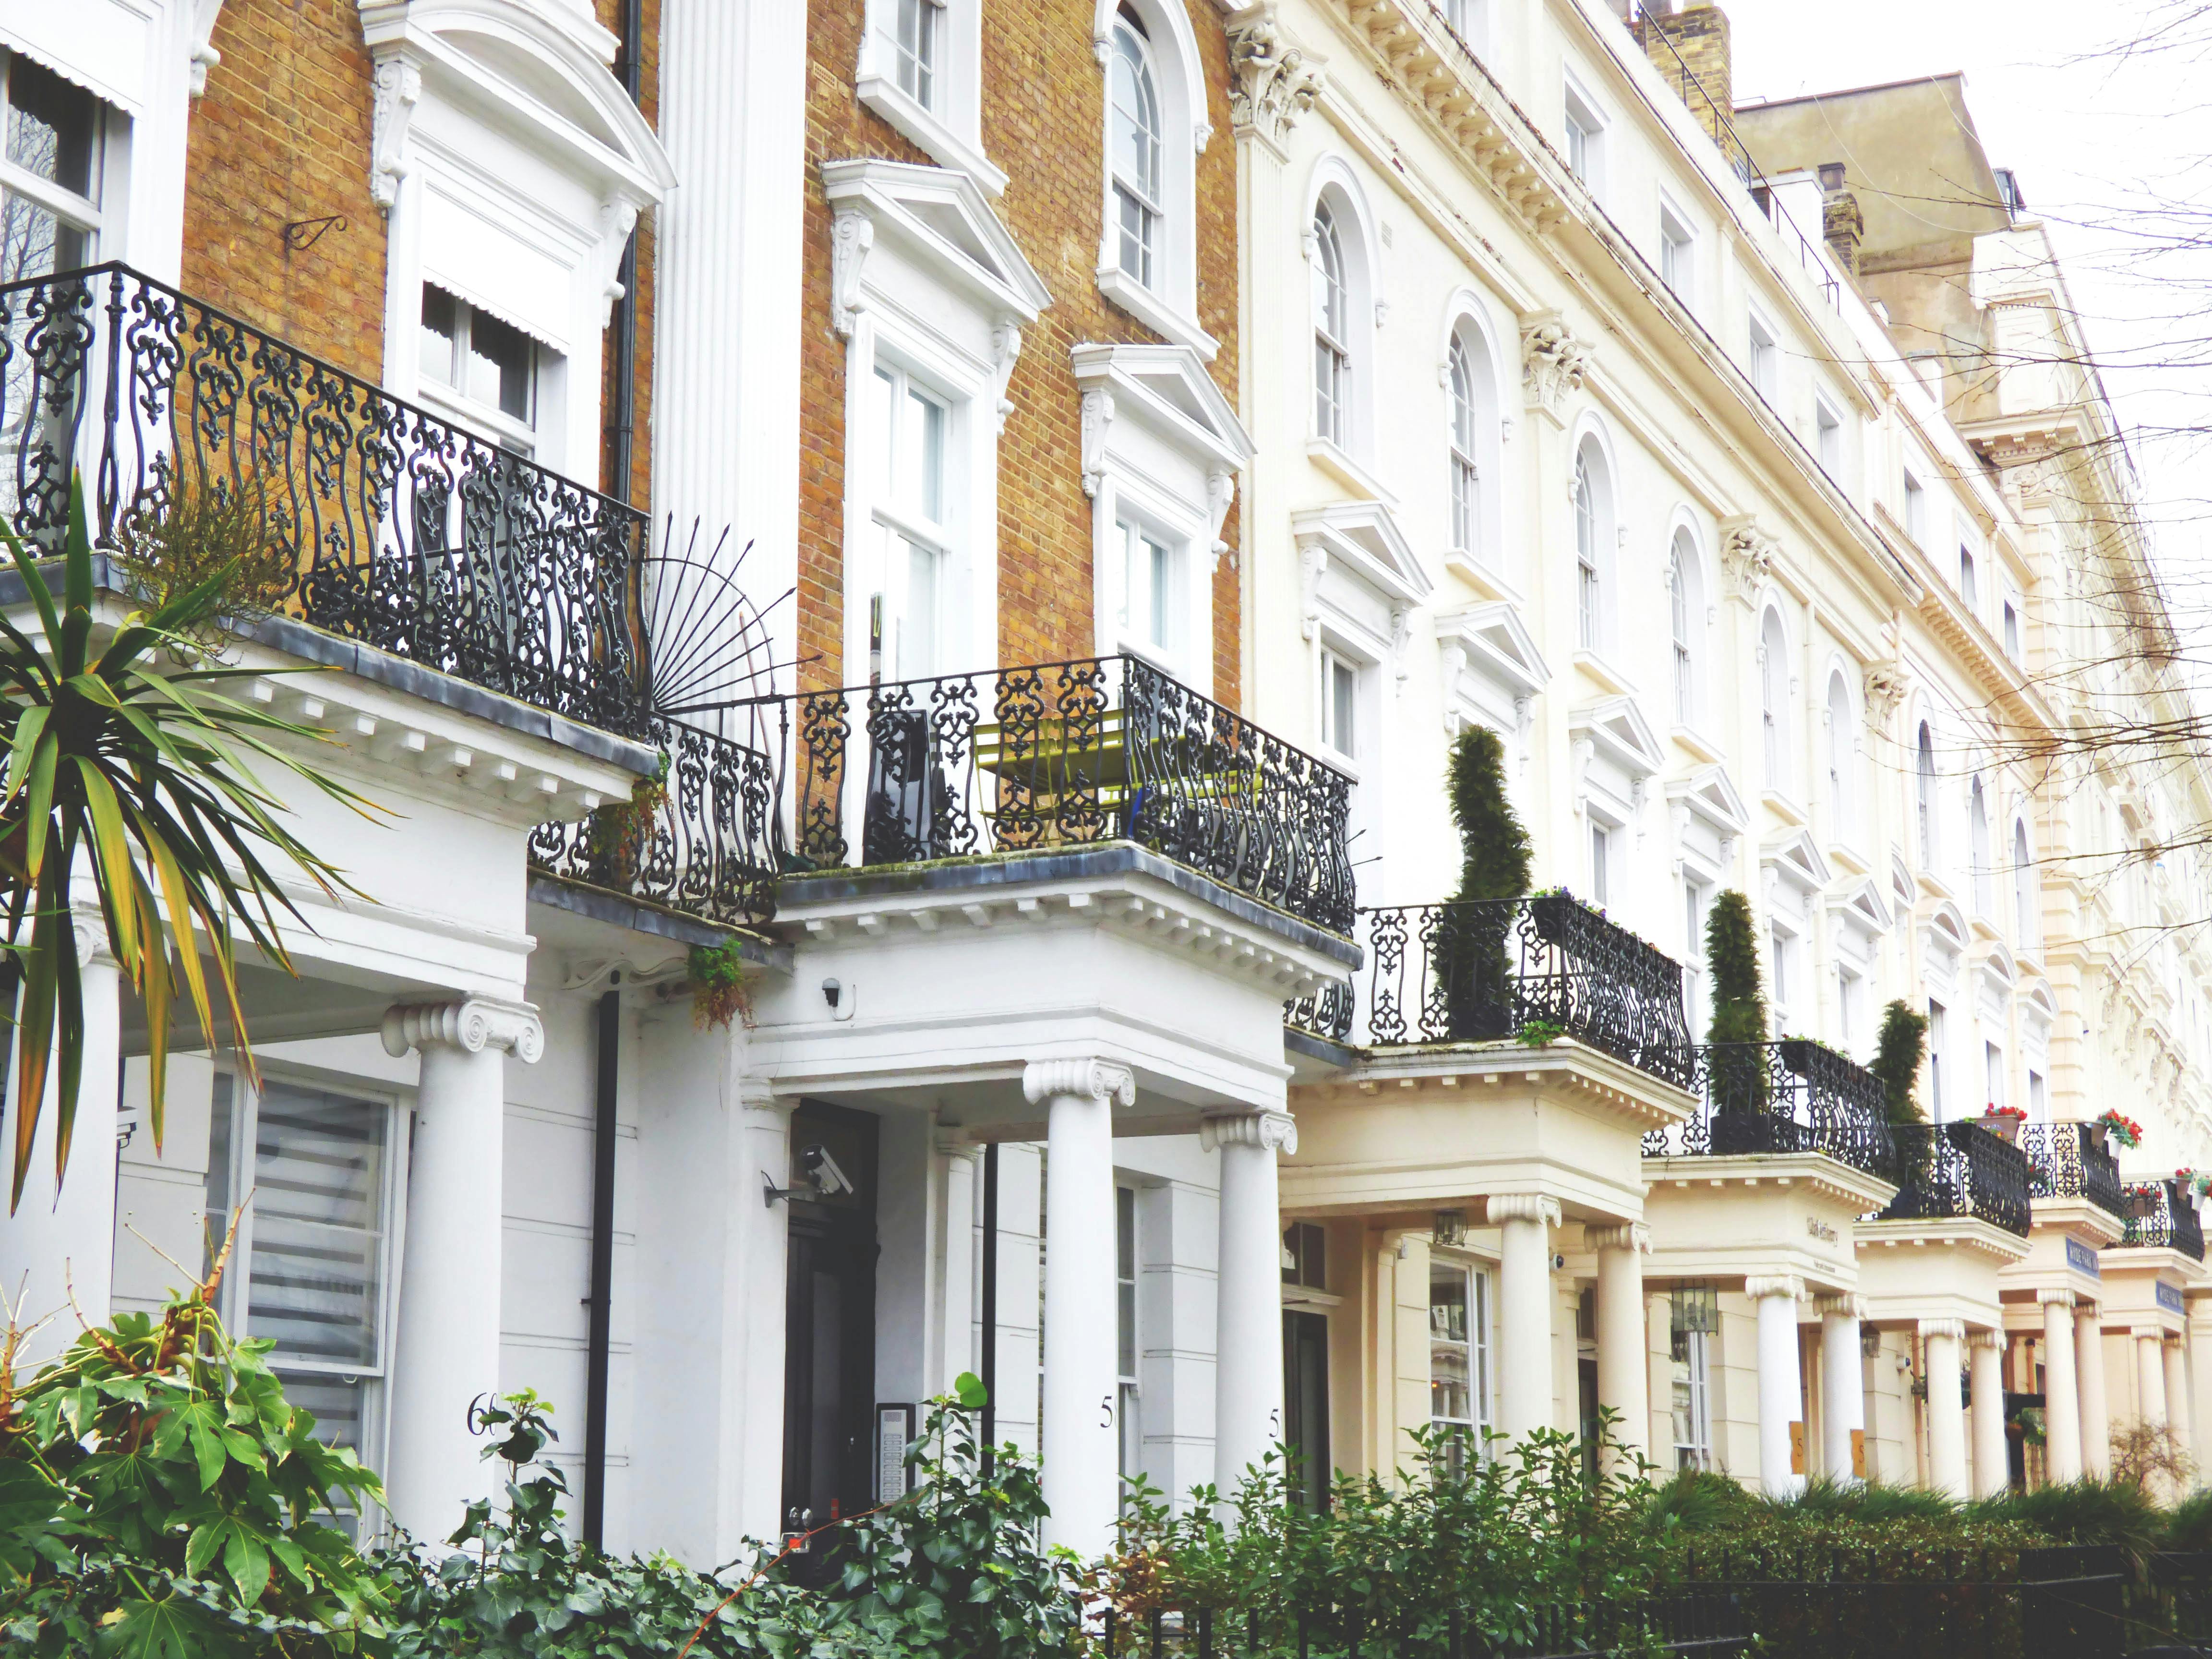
(1690, 49)
(1043, 120)
(281, 135)
(641, 470)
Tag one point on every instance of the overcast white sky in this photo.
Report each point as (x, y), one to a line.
(2115, 153)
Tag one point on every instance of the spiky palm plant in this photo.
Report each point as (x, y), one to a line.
(145, 771)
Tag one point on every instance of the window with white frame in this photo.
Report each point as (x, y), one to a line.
(2025, 931)
(1843, 793)
(1470, 20)
(2011, 628)
(1460, 365)
(1460, 1352)
(1126, 1350)
(1850, 1007)
(1601, 855)
(1584, 130)
(2038, 1102)
(1678, 256)
(1151, 589)
(1340, 703)
(1774, 700)
(908, 442)
(1782, 950)
(1590, 594)
(1693, 952)
(50, 184)
(1916, 509)
(1828, 439)
(1993, 1069)
(1923, 795)
(1938, 1036)
(1970, 587)
(1678, 608)
(1978, 847)
(1332, 307)
(918, 50)
(315, 1172)
(1695, 1318)
(1766, 364)
(1135, 150)
(483, 370)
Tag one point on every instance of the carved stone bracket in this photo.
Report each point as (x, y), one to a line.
(1313, 561)
(1006, 348)
(1887, 684)
(1553, 363)
(399, 89)
(1097, 415)
(1271, 85)
(1748, 556)
(852, 233)
(1221, 491)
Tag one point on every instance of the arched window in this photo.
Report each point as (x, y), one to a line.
(1332, 332)
(1774, 699)
(1135, 151)
(1842, 783)
(1978, 849)
(1460, 362)
(2023, 888)
(1923, 796)
(1589, 586)
(1678, 608)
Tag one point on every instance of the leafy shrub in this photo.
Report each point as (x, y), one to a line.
(229, 533)
(1472, 967)
(1899, 1052)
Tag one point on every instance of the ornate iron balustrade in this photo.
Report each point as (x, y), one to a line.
(405, 532)
(2064, 1161)
(1959, 1169)
(1058, 755)
(1794, 1096)
(2160, 1215)
(713, 843)
(1511, 969)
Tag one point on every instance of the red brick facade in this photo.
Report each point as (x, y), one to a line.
(1043, 121)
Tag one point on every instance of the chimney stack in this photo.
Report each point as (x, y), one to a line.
(1843, 226)
(1690, 49)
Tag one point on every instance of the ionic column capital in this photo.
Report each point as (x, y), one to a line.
(471, 1025)
(1622, 1236)
(1954, 1328)
(1986, 1340)
(1270, 1130)
(1760, 1286)
(958, 1148)
(1842, 1305)
(2149, 1334)
(2051, 1296)
(1524, 1206)
(1092, 1078)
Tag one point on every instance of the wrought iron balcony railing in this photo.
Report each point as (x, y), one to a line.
(404, 530)
(1524, 969)
(1959, 1169)
(1794, 1096)
(1059, 756)
(2064, 1161)
(2160, 1214)
(706, 839)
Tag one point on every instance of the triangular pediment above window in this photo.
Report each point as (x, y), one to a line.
(1796, 857)
(1168, 386)
(946, 222)
(1363, 538)
(1861, 906)
(1491, 640)
(1708, 792)
(1621, 734)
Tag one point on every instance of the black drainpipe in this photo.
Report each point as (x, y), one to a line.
(622, 415)
(602, 1298)
(990, 1357)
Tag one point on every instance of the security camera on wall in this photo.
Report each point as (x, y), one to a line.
(818, 1167)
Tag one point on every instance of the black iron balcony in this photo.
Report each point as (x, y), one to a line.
(1061, 756)
(2161, 1215)
(1946, 1170)
(2065, 1161)
(404, 531)
(1525, 970)
(1794, 1096)
(706, 838)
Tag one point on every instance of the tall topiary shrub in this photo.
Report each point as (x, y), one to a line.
(1472, 969)
(1898, 1055)
(1739, 1003)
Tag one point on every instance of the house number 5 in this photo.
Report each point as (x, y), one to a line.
(1106, 1411)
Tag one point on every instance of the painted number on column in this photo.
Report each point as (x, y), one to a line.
(1106, 1411)
(1275, 1423)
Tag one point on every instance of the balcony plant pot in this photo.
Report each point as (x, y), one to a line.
(2100, 1135)
(2002, 1126)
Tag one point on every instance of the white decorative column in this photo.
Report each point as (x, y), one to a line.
(1993, 1455)
(1524, 1310)
(1843, 1384)
(2090, 1381)
(1781, 1388)
(1248, 1363)
(2177, 1394)
(61, 1240)
(1946, 1417)
(956, 1348)
(1080, 1451)
(2150, 1375)
(2062, 1404)
(445, 1353)
(1623, 1369)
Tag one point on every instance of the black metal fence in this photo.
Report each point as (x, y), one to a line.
(2065, 1161)
(1959, 1169)
(2162, 1214)
(1526, 970)
(405, 532)
(1794, 1096)
(707, 838)
(1059, 756)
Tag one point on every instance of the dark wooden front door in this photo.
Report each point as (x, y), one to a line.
(829, 1354)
